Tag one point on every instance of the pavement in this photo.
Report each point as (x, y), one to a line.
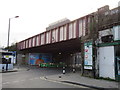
(76, 78)
(15, 69)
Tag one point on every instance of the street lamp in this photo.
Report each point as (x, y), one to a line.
(9, 30)
(8, 39)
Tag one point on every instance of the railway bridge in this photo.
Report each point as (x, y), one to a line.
(76, 42)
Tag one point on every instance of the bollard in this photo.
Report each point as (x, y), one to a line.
(73, 70)
(63, 70)
(59, 76)
(2, 68)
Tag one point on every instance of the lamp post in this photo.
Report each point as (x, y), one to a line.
(9, 30)
(8, 39)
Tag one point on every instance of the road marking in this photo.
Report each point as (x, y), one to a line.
(15, 81)
(3, 83)
(31, 79)
(36, 78)
(6, 83)
(22, 80)
(62, 82)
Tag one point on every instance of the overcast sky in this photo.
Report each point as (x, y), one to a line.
(36, 15)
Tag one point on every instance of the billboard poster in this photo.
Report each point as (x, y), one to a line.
(37, 58)
(88, 55)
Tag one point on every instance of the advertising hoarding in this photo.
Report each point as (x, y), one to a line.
(88, 55)
(37, 58)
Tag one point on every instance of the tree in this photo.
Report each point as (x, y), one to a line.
(13, 47)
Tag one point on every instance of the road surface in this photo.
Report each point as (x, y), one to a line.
(34, 78)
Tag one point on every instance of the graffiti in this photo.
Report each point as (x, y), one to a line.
(37, 58)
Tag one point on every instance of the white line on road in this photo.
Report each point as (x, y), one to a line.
(31, 79)
(16, 81)
(6, 83)
(3, 83)
(36, 78)
(22, 80)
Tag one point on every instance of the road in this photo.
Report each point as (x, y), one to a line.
(33, 78)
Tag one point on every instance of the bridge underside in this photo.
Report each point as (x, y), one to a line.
(72, 45)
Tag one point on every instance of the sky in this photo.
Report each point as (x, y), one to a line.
(36, 15)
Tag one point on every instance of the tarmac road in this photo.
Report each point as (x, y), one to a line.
(34, 78)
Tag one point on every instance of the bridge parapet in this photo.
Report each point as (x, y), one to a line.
(80, 27)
